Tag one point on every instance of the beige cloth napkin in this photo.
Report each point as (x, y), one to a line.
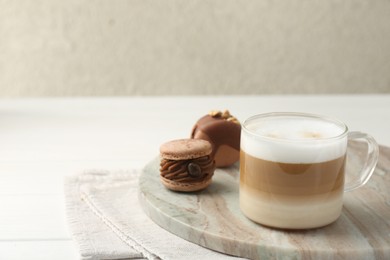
(107, 222)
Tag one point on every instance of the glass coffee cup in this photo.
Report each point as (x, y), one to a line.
(292, 169)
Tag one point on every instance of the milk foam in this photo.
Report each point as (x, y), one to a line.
(293, 140)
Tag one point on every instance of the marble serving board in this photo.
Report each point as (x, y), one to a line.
(212, 218)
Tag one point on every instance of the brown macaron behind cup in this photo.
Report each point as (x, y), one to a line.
(223, 131)
(186, 164)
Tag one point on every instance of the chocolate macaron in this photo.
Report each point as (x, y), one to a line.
(186, 164)
(223, 131)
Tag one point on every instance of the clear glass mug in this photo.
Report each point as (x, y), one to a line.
(292, 169)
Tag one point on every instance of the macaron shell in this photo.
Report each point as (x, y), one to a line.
(185, 187)
(184, 149)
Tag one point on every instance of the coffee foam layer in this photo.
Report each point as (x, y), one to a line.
(293, 140)
(295, 128)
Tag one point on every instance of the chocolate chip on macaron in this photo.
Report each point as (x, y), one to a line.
(186, 164)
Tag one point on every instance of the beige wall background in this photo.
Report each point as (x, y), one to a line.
(143, 47)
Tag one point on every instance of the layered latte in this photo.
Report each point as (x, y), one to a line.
(292, 171)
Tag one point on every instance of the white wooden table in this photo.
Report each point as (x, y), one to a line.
(43, 140)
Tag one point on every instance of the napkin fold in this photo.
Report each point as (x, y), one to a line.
(107, 221)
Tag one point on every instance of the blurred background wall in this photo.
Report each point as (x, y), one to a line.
(143, 47)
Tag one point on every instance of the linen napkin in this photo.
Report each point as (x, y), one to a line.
(107, 221)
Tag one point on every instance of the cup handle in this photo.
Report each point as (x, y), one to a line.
(370, 163)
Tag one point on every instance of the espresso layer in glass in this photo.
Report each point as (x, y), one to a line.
(292, 179)
(291, 195)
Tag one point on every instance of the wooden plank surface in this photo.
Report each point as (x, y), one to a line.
(44, 139)
(38, 249)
